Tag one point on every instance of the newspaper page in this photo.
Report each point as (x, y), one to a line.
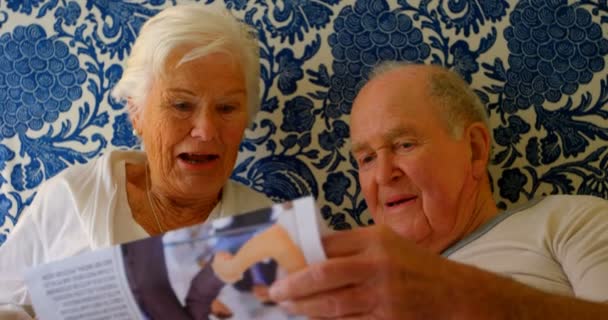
(217, 270)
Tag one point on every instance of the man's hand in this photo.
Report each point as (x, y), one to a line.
(373, 273)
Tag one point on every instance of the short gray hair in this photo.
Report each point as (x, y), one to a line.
(454, 96)
(208, 29)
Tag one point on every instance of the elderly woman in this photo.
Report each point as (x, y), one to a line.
(191, 87)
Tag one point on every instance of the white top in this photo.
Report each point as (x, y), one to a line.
(85, 208)
(558, 244)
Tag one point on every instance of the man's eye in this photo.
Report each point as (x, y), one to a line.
(403, 146)
(365, 161)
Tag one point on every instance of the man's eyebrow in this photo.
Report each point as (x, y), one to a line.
(391, 135)
(358, 147)
(398, 132)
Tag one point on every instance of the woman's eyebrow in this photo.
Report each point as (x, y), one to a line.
(190, 92)
(235, 92)
(180, 90)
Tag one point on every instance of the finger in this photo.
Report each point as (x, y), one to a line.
(345, 243)
(324, 276)
(344, 302)
(353, 317)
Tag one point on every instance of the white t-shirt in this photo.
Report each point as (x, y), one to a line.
(558, 244)
(85, 208)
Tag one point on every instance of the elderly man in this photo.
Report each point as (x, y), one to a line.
(422, 144)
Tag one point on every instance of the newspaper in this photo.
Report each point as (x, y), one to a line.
(217, 270)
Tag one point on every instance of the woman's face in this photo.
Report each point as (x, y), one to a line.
(192, 124)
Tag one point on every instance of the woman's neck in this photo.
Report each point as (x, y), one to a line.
(174, 212)
(158, 211)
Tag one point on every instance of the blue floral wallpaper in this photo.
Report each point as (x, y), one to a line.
(538, 65)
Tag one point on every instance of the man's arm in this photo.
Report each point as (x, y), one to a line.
(503, 298)
(373, 273)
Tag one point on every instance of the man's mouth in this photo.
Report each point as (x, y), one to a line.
(198, 158)
(398, 201)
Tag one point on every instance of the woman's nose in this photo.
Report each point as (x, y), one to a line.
(205, 126)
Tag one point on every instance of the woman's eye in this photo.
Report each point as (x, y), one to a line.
(181, 106)
(227, 108)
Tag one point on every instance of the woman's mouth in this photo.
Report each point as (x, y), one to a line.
(198, 158)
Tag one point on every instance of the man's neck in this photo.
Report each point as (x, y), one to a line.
(485, 209)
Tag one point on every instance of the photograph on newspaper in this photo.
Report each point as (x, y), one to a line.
(218, 270)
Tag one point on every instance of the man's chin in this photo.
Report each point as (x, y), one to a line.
(425, 241)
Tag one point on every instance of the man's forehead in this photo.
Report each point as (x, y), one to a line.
(391, 93)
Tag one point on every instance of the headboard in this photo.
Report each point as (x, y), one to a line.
(538, 65)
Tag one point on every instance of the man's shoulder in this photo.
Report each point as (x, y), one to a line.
(563, 205)
(556, 214)
(549, 217)
(543, 216)
(578, 200)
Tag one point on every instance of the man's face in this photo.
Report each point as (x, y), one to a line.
(415, 175)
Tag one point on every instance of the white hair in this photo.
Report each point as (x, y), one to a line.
(207, 30)
(459, 103)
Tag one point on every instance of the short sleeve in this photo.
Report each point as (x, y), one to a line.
(583, 248)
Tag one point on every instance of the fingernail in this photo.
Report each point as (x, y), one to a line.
(287, 306)
(276, 291)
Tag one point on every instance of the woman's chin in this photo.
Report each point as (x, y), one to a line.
(205, 182)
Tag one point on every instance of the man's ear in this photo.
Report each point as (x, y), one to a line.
(134, 115)
(480, 142)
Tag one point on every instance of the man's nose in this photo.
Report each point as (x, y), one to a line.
(205, 125)
(387, 171)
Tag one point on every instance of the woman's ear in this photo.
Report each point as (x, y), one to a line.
(134, 116)
(480, 143)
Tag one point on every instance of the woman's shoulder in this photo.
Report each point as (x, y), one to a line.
(97, 178)
(100, 168)
(80, 192)
(240, 198)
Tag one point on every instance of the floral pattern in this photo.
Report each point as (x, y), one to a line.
(554, 48)
(40, 79)
(546, 94)
(596, 183)
(366, 34)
